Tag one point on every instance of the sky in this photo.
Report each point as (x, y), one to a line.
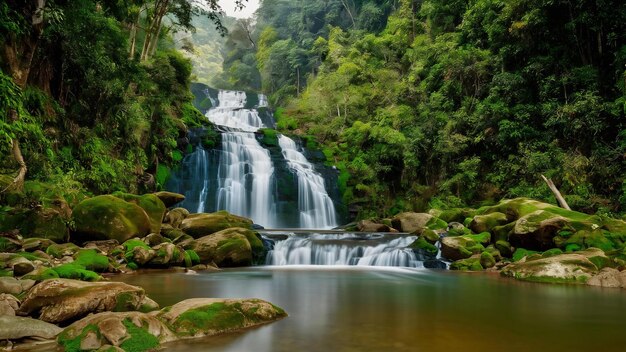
(229, 8)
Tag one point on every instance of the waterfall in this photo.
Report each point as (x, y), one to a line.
(344, 249)
(245, 178)
(315, 206)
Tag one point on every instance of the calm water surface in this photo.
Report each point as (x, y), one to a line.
(372, 309)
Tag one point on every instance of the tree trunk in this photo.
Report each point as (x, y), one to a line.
(557, 194)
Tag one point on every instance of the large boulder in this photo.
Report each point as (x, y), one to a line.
(209, 316)
(416, 222)
(108, 217)
(609, 277)
(230, 247)
(191, 318)
(199, 225)
(170, 198)
(485, 223)
(151, 204)
(372, 226)
(562, 268)
(65, 300)
(13, 328)
(175, 217)
(462, 247)
(48, 223)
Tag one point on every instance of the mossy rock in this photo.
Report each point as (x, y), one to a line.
(90, 259)
(462, 247)
(62, 250)
(487, 260)
(269, 137)
(422, 244)
(108, 217)
(229, 247)
(430, 236)
(482, 223)
(468, 264)
(416, 222)
(505, 248)
(562, 268)
(520, 253)
(45, 223)
(170, 199)
(36, 244)
(167, 254)
(170, 232)
(598, 238)
(199, 225)
(453, 215)
(9, 245)
(151, 204)
(76, 272)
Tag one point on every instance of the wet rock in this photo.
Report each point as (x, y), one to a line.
(170, 198)
(64, 300)
(230, 247)
(462, 247)
(563, 268)
(434, 264)
(199, 225)
(13, 328)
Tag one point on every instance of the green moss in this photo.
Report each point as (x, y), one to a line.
(5, 272)
(436, 224)
(59, 250)
(124, 302)
(472, 264)
(422, 244)
(216, 316)
(132, 265)
(487, 260)
(270, 137)
(128, 249)
(45, 275)
(430, 235)
(73, 344)
(29, 256)
(162, 174)
(505, 248)
(151, 204)
(140, 339)
(91, 260)
(521, 253)
(191, 258)
(7, 245)
(76, 272)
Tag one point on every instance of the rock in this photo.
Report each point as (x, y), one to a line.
(505, 248)
(462, 247)
(608, 277)
(8, 304)
(176, 216)
(170, 198)
(39, 222)
(371, 226)
(91, 259)
(36, 244)
(452, 215)
(104, 246)
(142, 255)
(209, 316)
(148, 305)
(563, 268)
(416, 222)
(430, 236)
(170, 232)
(485, 223)
(13, 328)
(59, 251)
(487, 260)
(468, 264)
(188, 319)
(108, 217)
(421, 244)
(64, 300)
(229, 247)
(199, 225)
(536, 230)
(151, 204)
(154, 239)
(8, 244)
(10, 285)
(434, 264)
(23, 268)
(167, 254)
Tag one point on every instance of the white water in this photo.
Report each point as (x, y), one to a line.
(342, 249)
(315, 206)
(201, 168)
(245, 169)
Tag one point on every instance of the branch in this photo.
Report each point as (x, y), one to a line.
(556, 193)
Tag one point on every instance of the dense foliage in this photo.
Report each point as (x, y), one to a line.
(88, 112)
(455, 102)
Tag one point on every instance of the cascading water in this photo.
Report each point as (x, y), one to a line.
(344, 249)
(315, 206)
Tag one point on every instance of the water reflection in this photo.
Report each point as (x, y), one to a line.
(366, 309)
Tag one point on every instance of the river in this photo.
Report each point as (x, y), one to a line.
(336, 308)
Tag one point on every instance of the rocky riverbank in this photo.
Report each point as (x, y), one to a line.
(521, 238)
(54, 262)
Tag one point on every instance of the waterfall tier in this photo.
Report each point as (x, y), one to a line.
(343, 249)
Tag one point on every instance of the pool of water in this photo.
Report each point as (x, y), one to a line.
(394, 309)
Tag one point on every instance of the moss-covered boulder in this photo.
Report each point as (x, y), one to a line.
(230, 247)
(167, 254)
(8, 244)
(48, 223)
(468, 264)
(108, 217)
(453, 214)
(209, 316)
(151, 204)
(59, 251)
(504, 248)
(175, 217)
(137, 332)
(462, 247)
(563, 268)
(170, 198)
(485, 223)
(199, 225)
(36, 244)
(417, 222)
(421, 244)
(373, 226)
(66, 300)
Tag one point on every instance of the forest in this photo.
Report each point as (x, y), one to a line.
(436, 103)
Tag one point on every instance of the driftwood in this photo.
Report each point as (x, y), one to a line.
(557, 194)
